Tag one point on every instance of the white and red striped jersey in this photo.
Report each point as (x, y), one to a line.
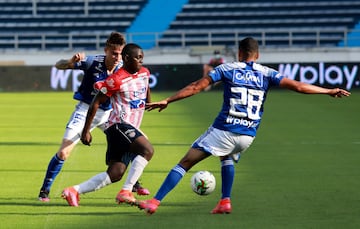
(128, 95)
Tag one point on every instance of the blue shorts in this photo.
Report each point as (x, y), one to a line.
(119, 138)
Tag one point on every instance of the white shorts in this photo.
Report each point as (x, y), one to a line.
(77, 121)
(222, 143)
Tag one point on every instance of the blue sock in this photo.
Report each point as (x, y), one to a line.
(53, 170)
(172, 179)
(227, 176)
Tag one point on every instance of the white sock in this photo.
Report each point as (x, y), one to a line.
(94, 183)
(136, 169)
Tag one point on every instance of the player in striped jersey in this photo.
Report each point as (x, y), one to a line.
(128, 90)
(246, 84)
(95, 68)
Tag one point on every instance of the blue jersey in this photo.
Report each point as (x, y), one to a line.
(94, 70)
(245, 88)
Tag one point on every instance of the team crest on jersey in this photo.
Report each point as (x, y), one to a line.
(130, 133)
(249, 78)
(110, 82)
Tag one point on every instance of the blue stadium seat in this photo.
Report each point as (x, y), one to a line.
(27, 21)
(275, 18)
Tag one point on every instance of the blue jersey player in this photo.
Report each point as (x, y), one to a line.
(96, 68)
(245, 86)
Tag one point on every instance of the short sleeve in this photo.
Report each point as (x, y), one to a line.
(108, 86)
(84, 64)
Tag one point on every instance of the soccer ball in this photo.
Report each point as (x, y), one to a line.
(203, 183)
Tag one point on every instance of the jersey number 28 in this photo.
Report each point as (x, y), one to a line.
(247, 104)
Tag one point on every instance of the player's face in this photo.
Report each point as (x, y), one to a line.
(134, 60)
(113, 55)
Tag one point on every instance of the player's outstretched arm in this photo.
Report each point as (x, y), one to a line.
(190, 90)
(312, 89)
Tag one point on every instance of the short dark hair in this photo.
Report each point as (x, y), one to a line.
(249, 45)
(115, 39)
(128, 49)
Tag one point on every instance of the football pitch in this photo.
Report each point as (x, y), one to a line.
(302, 170)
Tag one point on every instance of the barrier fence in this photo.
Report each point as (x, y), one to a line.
(228, 38)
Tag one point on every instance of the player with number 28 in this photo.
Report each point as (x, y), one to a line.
(245, 85)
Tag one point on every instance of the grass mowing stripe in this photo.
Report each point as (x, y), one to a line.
(301, 172)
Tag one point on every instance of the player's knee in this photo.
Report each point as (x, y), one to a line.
(63, 154)
(116, 171)
(114, 175)
(148, 153)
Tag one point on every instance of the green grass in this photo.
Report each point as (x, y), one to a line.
(302, 171)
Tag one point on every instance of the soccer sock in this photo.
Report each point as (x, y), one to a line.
(172, 179)
(95, 183)
(136, 169)
(227, 177)
(54, 168)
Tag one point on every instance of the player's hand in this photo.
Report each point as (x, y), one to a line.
(78, 57)
(156, 105)
(338, 93)
(86, 138)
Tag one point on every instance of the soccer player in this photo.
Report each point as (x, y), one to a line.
(128, 90)
(246, 84)
(96, 68)
(213, 63)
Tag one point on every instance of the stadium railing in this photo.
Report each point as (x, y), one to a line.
(94, 40)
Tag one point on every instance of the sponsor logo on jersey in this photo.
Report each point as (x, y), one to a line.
(136, 104)
(250, 78)
(99, 67)
(240, 121)
(139, 92)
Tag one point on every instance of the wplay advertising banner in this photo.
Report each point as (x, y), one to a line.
(174, 77)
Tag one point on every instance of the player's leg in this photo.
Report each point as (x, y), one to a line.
(70, 139)
(54, 167)
(227, 178)
(141, 146)
(102, 119)
(242, 143)
(192, 157)
(113, 174)
(175, 175)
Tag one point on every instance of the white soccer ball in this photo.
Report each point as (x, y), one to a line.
(203, 183)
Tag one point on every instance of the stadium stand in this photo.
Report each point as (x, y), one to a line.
(61, 21)
(71, 24)
(279, 22)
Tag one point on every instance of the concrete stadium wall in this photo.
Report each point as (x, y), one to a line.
(184, 56)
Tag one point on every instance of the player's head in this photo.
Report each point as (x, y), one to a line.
(217, 54)
(248, 49)
(132, 55)
(113, 47)
(114, 40)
